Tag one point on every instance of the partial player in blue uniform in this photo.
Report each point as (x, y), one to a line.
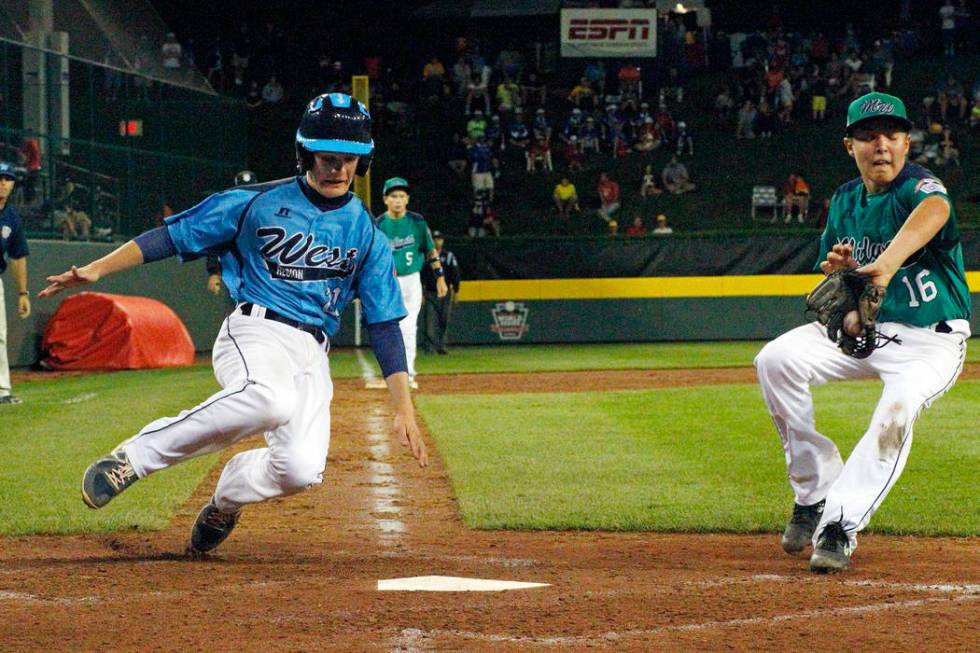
(294, 253)
(13, 249)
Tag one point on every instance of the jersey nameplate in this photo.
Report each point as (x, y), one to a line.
(400, 243)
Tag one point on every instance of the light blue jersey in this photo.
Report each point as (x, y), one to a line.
(285, 247)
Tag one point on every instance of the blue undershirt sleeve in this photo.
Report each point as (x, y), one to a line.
(388, 346)
(155, 244)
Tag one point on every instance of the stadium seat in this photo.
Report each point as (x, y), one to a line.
(764, 197)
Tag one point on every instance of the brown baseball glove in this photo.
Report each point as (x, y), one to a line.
(847, 303)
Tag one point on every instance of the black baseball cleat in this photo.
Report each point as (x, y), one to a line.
(9, 400)
(799, 530)
(106, 478)
(211, 528)
(832, 551)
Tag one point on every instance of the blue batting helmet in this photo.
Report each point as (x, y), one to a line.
(334, 122)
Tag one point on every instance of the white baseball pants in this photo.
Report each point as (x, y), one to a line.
(411, 285)
(4, 363)
(275, 380)
(915, 373)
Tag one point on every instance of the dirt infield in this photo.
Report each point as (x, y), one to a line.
(300, 574)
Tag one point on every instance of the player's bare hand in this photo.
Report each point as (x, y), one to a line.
(442, 289)
(70, 279)
(214, 284)
(880, 274)
(407, 432)
(24, 307)
(838, 258)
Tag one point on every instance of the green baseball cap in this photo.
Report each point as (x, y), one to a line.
(877, 105)
(395, 183)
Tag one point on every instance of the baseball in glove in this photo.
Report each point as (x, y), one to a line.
(847, 303)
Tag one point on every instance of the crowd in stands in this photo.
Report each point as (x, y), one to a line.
(492, 113)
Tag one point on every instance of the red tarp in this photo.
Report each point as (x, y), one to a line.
(97, 331)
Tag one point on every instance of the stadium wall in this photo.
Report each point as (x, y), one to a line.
(489, 312)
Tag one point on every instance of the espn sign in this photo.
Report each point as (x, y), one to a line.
(608, 29)
(609, 32)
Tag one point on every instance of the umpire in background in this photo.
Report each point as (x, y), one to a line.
(437, 309)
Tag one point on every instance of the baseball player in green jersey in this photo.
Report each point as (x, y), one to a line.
(412, 246)
(894, 223)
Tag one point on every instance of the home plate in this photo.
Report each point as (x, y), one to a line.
(451, 584)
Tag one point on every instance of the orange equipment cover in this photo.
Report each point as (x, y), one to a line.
(98, 331)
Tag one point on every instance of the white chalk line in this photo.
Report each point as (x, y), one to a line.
(953, 588)
(43, 599)
(87, 396)
(416, 637)
(385, 489)
(370, 379)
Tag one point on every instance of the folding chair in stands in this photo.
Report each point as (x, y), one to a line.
(765, 197)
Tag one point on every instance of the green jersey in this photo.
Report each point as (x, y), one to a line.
(410, 240)
(931, 284)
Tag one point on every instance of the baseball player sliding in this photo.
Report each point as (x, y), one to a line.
(895, 224)
(294, 253)
(412, 244)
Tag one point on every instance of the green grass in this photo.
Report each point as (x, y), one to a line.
(687, 459)
(590, 460)
(543, 358)
(556, 358)
(46, 444)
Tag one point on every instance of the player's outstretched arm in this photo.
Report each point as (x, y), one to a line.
(389, 349)
(127, 256)
(405, 428)
(921, 227)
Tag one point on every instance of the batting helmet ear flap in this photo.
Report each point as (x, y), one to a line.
(304, 159)
(364, 164)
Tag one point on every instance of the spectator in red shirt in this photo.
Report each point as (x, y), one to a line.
(573, 154)
(608, 197)
(30, 148)
(636, 228)
(538, 157)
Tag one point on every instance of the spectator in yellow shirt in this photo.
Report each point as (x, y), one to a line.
(566, 198)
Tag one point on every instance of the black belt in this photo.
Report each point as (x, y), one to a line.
(270, 314)
(942, 327)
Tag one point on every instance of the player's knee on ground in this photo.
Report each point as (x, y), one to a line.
(296, 471)
(271, 407)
